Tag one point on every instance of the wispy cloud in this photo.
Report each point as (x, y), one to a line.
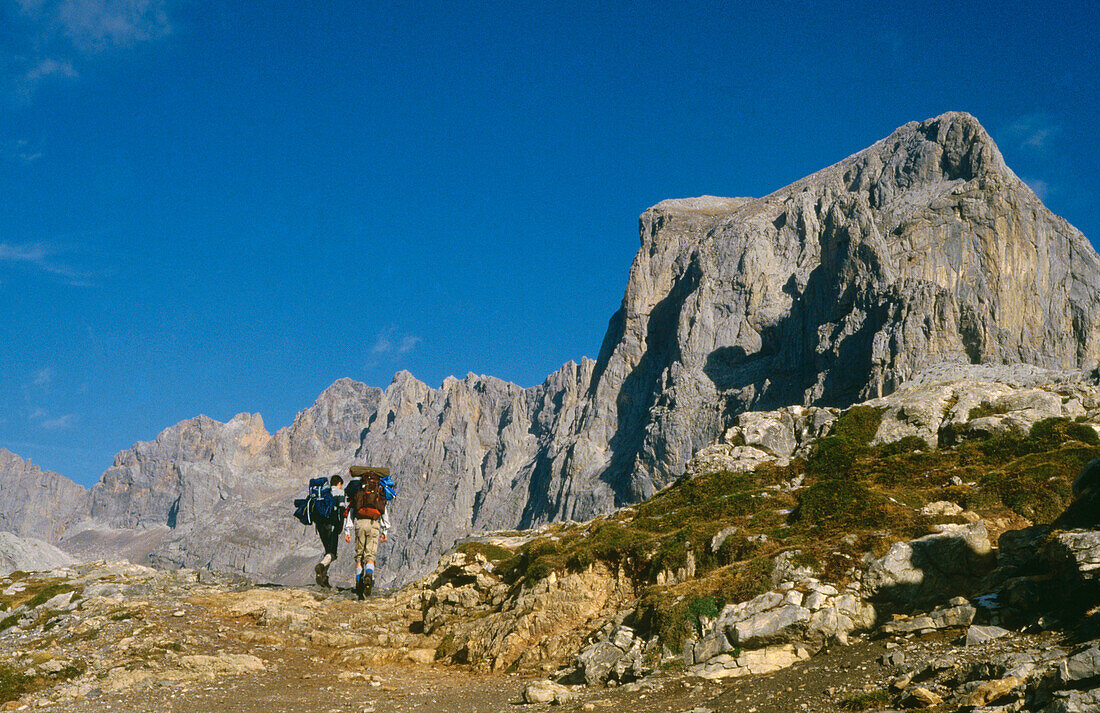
(388, 343)
(44, 258)
(53, 37)
(60, 423)
(43, 377)
(1032, 131)
(49, 67)
(1041, 188)
(98, 25)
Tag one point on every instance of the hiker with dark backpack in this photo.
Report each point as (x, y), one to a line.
(368, 492)
(328, 529)
(324, 508)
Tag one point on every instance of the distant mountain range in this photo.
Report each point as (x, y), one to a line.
(920, 250)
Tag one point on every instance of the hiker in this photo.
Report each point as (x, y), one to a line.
(367, 496)
(328, 529)
(324, 508)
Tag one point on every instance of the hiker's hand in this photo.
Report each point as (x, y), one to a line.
(382, 538)
(347, 537)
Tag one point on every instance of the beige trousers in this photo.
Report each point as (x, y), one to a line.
(367, 533)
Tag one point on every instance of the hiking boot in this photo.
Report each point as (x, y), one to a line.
(359, 588)
(322, 575)
(368, 583)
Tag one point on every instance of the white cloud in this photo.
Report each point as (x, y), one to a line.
(388, 344)
(43, 376)
(97, 25)
(382, 344)
(50, 67)
(60, 423)
(43, 258)
(52, 37)
(1041, 188)
(1032, 131)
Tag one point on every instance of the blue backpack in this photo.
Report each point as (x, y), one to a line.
(318, 503)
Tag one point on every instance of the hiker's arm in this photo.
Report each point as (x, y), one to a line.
(347, 526)
(384, 525)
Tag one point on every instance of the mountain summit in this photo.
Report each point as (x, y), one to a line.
(920, 250)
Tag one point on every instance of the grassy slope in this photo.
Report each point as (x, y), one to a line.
(857, 498)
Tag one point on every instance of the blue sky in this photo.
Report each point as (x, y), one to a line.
(224, 207)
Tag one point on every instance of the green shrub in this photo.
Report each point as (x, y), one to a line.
(858, 424)
(1053, 432)
(833, 457)
(840, 504)
(534, 561)
(491, 552)
(47, 593)
(909, 444)
(986, 409)
(444, 649)
(865, 701)
(13, 684)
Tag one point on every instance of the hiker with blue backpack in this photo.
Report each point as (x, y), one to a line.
(368, 492)
(324, 507)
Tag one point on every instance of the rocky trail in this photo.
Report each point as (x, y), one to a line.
(120, 637)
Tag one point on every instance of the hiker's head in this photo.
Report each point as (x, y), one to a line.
(336, 481)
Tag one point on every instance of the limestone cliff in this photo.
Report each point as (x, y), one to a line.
(921, 250)
(36, 502)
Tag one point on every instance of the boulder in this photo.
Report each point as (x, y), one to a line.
(779, 624)
(1077, 554)
(772, 432)
(920, 697)
(952, 616)
(595, 663)
(992, 692)
(723, 456)
(753, 661)
(1075, 702)
(978, 635)
(941, 508)
(546, 692)
(930, 568)
(1082, 665)
(214, 667)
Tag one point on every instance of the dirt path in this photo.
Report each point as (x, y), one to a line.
(293, 685)
(176, 645)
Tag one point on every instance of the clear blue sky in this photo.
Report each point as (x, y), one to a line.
(224, 207)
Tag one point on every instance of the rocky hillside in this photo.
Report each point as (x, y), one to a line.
(862, 569)
(920, 250)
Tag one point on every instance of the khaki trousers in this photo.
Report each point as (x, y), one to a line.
(367, 533)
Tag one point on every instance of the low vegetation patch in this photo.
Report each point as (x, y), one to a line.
(865, 701)
(986, 409)
(491, 552)
(36, 593)
(857, 498)
(13, 684)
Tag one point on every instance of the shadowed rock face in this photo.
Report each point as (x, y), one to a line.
(920, 250)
